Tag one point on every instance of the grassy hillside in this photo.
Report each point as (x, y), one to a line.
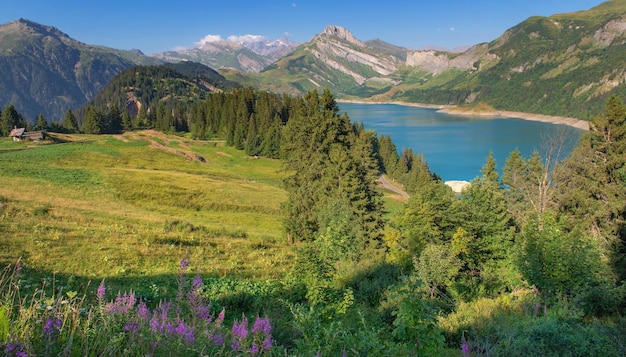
(131, 206)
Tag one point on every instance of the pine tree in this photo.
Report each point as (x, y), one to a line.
(127, 122)
(93, 121)
(69, 123)
(10, 118)
(592, 193)
(41, 123)
(489, 168)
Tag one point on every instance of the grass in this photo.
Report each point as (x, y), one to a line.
(128, 207)
(119, 207)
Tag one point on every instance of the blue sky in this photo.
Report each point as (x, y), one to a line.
(157, 26)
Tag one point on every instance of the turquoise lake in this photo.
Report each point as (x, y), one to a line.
(456, 147)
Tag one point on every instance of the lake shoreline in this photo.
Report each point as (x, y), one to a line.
(454, 110)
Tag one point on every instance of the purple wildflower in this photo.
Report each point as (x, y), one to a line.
(465, 350)
(254, 349)
(184, 264)
(344, 353)
(240, 330)
(51, 328)
(185, 332)
(203, 312)
(268, 342)
(142, 311)
(132, 327)
(240, 333)
(196, 284)
(101, 291)
(235, 346)
(15, 349)
(218, 339)
(262, 325)
(123, 303)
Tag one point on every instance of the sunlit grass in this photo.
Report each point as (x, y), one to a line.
(105, 206)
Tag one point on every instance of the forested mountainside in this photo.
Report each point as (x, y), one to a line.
(44, 71)
(145, 93)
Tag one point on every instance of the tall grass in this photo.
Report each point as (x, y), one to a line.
(55, 322)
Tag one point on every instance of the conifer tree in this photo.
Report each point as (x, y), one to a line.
(93, 121)
(69, 122)
(41, 123)
(9, 119)
(592, 195)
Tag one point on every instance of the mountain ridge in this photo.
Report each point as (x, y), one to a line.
(43, 70)
(564, 64)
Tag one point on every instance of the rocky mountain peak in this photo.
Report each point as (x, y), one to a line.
(33, 27)
(342, 33)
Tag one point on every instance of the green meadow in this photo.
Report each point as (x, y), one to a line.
(128, 207)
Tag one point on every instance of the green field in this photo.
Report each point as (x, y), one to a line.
(129, 207)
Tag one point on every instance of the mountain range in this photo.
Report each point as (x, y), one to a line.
(566, 64)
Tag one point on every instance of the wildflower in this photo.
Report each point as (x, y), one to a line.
(185, 332)
(220, 318)
(262, 325)
(142, 311)
(51, 328)
(240, 330)
(123, 304)
(184, 264)
(464, 346)
(196, 284)
(101, 291)
(15, 349)
(254, 349)
(218, 339)
(240, 333)
(465, 350)
(268, 342)
(132, 327)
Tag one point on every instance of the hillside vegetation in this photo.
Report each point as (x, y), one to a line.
(187, 237)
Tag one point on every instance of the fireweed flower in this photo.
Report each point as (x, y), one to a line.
(101, 291)
(268, 342)
(142, 311)
(240, 333)
(218, 339)
(132, 327)
(15, 349)
(262, 325)
(254, 349)
(51, 328)
(220, 318)
(465, 350)
(196, 284)
(184, 264)
(185, 332)
(123, 304)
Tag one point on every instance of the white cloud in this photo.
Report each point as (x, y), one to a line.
(179, 48)
(452, 29)
(246, 38)
(293, 4)
(207, 39)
